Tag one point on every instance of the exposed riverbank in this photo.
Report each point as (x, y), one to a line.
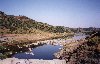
(31, 61)
(69, 48)
(22, 38)
(81, 52)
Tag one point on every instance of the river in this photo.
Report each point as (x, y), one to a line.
(41, 52)
(45, 51)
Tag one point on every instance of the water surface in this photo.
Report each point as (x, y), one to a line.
(41, 52)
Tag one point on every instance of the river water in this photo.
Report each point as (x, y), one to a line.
(41, 52)
(45, 51)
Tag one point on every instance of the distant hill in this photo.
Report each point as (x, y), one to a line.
(22, 24)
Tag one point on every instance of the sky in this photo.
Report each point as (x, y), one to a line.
(68, 13)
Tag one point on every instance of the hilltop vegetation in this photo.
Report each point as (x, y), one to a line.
(21, 24)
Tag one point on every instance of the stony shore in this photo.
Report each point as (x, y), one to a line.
(81, 52)
(31, 61)
(69, 48)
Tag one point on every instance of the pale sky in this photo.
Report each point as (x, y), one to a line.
(69, 13)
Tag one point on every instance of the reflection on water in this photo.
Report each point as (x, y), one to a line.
(41, 52)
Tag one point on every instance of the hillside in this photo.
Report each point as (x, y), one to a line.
(10, 24)
(23, 29)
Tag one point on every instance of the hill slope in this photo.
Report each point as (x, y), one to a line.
(22, 24)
